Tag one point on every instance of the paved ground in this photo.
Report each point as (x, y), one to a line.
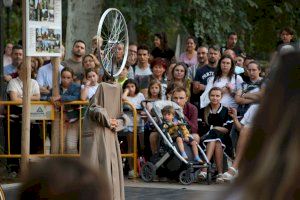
(137, 189)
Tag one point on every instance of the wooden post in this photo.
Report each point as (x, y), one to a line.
(26, 70)
(55, 133)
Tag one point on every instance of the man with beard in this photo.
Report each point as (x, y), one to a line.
(10, 71)
(202, 52)
(231, 43)
(75, 63)
(205, 72)
(202, 58)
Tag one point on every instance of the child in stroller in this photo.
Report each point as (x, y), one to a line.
(168, 160)
(178, 131)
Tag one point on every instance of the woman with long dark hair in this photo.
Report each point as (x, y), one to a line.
(224, 78)
(161, 47)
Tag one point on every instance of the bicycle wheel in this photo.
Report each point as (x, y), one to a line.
(112, 32)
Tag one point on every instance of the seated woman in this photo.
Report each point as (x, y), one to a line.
(218, 123)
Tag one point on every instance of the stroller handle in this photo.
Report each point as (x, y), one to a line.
(145, 102)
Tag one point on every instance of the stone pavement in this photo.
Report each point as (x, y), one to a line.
(139, 190)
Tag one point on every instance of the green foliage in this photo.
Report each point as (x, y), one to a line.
(15, 25)
(257, 22)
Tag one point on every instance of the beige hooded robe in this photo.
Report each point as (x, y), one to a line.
(100, 145)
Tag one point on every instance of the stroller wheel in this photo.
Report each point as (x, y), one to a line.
(148, 172)
(186, 177)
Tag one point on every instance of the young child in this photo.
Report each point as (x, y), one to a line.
(179, 132)
(134, 96)
(154, 90)
(123, 75)
(69, 91)
(89, 88)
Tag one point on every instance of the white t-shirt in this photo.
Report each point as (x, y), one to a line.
(227, 99)
(136, 101)
(92, 90)
(249, 115)
(16, 85)
(144, 72)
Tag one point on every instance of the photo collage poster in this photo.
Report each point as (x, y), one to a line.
(43, 28)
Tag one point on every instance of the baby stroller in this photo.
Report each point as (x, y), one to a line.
(168, 156)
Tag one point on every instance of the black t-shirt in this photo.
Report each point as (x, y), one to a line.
(168, 53)
(204, 73)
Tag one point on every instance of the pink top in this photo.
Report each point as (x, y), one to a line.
(190, 62)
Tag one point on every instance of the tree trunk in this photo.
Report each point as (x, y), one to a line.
(82, 22)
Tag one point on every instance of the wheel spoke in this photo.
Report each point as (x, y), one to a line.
(113, 31)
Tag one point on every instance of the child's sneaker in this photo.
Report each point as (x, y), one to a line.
(198, 159)
(183, 154)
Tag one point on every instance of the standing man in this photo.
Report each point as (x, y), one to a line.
(44, 79)
(75, 62)
(206, 72)
(7, 56)
(231, 43)
(202, 58)
(10, 71)
(143, 67)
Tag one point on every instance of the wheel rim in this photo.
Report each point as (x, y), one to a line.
(186, 178)
(147, 172)
(113, 31)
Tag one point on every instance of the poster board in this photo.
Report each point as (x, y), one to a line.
(41, 112)
(43, 28)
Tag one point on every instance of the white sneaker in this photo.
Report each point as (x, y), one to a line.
(230, 177)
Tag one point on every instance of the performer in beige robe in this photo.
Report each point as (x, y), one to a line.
(100, 145)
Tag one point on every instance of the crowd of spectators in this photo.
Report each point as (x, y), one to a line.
(218, 87)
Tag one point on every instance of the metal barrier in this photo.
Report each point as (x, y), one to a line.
(62, 154)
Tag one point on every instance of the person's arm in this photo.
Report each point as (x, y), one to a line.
(85, 91)
(240, 98)
(72, 94)
(7, 78)
(14, 96)
(254, 97)
(44, 90)
(220, 128)
(193, 118)
(35, 97)
(233, 114)
(125, 94)
(198, 87)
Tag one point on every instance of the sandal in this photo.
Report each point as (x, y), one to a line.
(230, 177)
